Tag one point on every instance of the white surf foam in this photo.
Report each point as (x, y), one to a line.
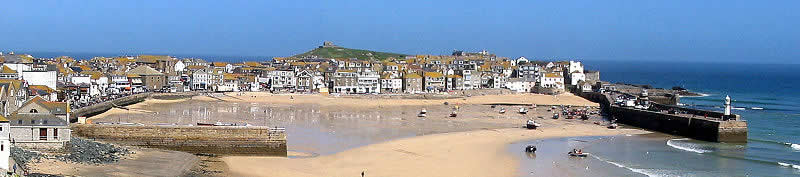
(646, 172)
(794, 146)
(789, 165)
(684, 146)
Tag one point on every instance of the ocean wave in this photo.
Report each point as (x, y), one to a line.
(791, 145)
(686, 146)
(789, 165)
(794, 146)
(647, 172)
(699, 95)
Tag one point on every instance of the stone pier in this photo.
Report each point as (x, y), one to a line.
(228, 140)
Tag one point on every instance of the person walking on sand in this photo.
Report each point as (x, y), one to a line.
(362, 173)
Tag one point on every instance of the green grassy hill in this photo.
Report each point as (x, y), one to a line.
(339, 52)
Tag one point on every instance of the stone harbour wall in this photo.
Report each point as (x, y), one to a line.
(700, 128)
(228, 140)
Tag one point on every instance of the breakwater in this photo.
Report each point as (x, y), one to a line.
(99, 108)
(693, 123)
(229, 140)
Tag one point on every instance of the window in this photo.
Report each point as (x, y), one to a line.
(55, 133)
(34, 111)
(42, 134)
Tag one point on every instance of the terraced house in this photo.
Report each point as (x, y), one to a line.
(40, 124)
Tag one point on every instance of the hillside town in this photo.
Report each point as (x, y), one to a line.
(39, 94)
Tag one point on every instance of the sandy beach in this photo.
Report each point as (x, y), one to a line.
(472, 153)
(343, 136)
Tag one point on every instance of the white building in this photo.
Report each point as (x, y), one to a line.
(5, 143)
(521, 85)
(368, 82)
(552, 80)
(575, 66)
(180, 66)
(201, 80)
(576, 77)
(390, 83)
(520, 60)
(48, 78)
(282, 80)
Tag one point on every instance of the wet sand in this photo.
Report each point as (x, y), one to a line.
(472, 153)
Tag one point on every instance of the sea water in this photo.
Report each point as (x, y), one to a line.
(773, 147)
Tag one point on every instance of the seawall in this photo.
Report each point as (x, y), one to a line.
(228, 140)
(697, 124)
(99, 108)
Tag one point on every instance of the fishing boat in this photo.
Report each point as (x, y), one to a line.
(204, 124)
(612, 126)
(502, 110)
(530, 149)
(215, 124)
(577, 154)
(523, 111)
(531, 124)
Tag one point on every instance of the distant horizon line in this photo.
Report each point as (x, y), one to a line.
(232, 58)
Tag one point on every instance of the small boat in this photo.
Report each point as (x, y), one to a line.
(215, 124)
(737, 108)
(502, 110)
(423, 111)
(422, 115)
(523, 111)
(204, 124)
(453, 114)
(757, 108)
(532, 125)
(613, 126)
(577, 154)
(530, 149)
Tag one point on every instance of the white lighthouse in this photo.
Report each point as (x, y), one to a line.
(727, 105)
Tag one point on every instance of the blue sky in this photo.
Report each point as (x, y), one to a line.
(709, 31)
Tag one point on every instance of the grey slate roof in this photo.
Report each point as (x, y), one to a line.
(35, 120)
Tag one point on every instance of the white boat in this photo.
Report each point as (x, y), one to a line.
(422, 115)
(757, 108)
(738, 108)
(502, 110)
(576, 154)
(532, 125)
(523, 111)
(423, 111)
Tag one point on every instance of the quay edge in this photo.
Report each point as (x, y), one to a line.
(704, 125)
